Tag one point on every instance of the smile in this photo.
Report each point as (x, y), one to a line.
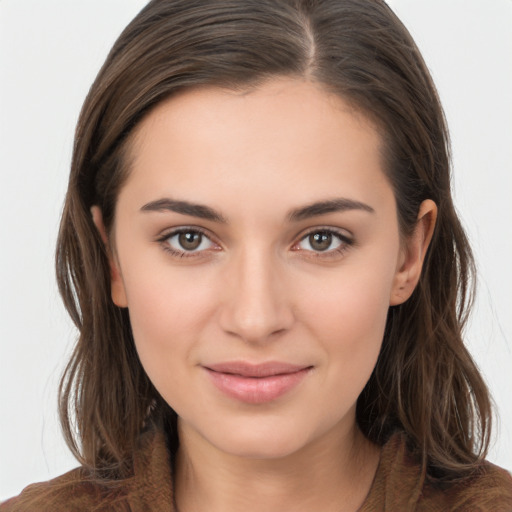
(256, 384)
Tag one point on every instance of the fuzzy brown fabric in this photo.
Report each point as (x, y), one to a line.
(397, 487)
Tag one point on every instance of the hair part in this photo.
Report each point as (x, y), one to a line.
(425, 382)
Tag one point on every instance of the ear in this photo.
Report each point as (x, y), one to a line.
(413, 254)
(116, 279)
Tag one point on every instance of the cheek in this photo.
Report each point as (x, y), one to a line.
(353, 301)
(168, 312)
(349, 315)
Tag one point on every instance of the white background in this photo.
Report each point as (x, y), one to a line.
(50, 52)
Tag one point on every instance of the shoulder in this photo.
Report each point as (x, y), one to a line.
(70, 492)
(148, 488)
(489, 489)
(399, 485)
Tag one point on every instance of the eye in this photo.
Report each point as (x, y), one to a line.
(323, 241)
(187, 241)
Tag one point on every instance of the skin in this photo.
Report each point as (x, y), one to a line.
(257, 289)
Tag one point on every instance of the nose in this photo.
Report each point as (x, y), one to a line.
(255, 306)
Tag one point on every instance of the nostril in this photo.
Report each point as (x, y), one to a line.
(265, 327)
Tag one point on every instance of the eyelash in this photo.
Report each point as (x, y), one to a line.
(345, 242)
(164, 241)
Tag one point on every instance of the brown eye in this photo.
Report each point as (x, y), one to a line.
(320, 241)
(187, 241)
(324, 241)
(190, 240)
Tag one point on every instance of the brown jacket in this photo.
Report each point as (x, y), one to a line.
(397, 487)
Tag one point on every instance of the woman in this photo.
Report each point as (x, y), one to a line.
(260, 251)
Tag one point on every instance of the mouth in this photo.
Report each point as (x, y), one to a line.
(256, 383)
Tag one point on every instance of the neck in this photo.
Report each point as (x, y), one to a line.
(332, 473)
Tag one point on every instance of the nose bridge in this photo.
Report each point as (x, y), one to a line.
(256, 304)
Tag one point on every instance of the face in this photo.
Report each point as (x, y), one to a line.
(256, 246)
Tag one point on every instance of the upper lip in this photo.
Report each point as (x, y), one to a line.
(246, 369)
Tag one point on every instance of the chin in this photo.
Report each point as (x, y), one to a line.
(255, 439)
(278, 447)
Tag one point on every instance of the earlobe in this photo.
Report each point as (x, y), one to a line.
(116, 281)
(413, 254)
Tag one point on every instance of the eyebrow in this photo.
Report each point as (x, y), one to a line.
(185, 208)
(324, 207)
(207, 213)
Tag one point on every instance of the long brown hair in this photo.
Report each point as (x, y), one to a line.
(425, 382)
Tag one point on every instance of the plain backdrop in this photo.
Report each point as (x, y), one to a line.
(50, 52)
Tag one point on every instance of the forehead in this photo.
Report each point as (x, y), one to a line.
(287, 139)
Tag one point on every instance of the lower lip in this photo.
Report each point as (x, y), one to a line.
(256, 390)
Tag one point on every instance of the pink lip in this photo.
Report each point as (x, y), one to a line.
(256, 383)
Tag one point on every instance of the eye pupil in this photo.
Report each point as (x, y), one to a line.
(320, 241)
(190, 240)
